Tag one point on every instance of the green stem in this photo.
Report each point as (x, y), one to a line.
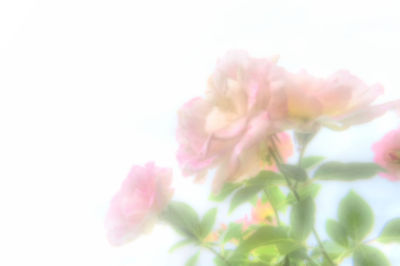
(321, 245)
(275, 155)
(311, 261)
(302, 150)
(317, 237)
(216, 253)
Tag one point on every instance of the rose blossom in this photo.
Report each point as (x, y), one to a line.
(387, 154)
(143, 195)
(231, 126)
(338, 101)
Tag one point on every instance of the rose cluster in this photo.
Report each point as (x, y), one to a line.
(238, 127)
(250, 101)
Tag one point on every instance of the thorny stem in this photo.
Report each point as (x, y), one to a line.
(275, 154)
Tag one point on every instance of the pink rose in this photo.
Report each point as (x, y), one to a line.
(134, 209)
(298, 98)
(387, 154)
(338, 101)
(348, 100)
(231, 126)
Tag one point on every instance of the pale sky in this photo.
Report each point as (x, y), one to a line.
(88, 88)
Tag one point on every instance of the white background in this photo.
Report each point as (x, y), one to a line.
(89, 88)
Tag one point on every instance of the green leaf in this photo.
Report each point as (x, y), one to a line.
(347, 171)
(369, 256)
(265, 178)
(208, 221)
(336, 232)
(309, 190)
(234, 231)
(299, 254)
(180, 244)
(302, 218)
(287, 246)
(272, 254)
(276, 197)
(266, 253)
(257, 263)
(279, 246)
(294, 172)
(391, 232)
(334, 250)
(253, 200)
(226, 190)
(311, 161)
(243, 195)
(356, 216)
(220, 262)
(237, 259)
(265, 235)
(192, 261)
(183, 219)
(312, 263)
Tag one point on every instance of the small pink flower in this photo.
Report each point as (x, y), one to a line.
(231, 126)
(215, 236)
(263, 213)
(245, 222)
(134, 209)
(387, 154)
